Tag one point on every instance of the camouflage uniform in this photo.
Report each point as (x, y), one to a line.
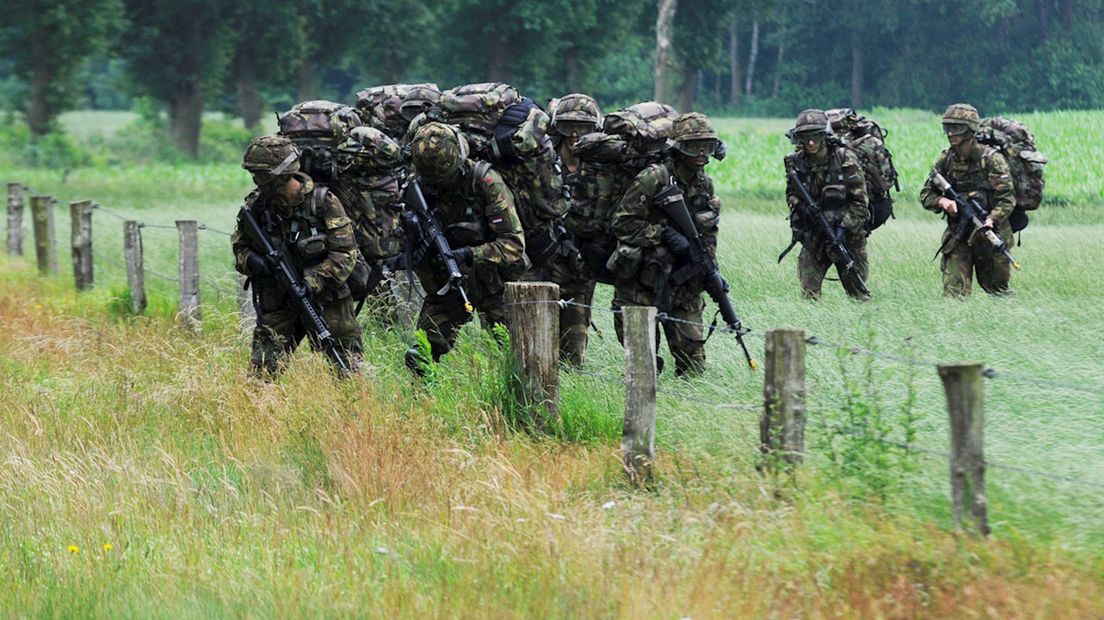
(318, 238)
(476, 211)
(643, 263)
(836, 183)
(982, 174)
(571, 115)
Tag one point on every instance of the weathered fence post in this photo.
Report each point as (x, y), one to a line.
(782, 425)
(42, 213)
(245, 304)
(189, 272)
(533, 318)
(16, 196)
(966, 406)
(638, 428)
(136, 275)
(81, 215)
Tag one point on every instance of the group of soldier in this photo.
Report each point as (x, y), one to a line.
(556, 214)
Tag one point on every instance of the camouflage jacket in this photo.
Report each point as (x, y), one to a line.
(374, 205)
(636, 223)
(479, 213)
(317, 236)
(983, 175)
(582, 186)
(836, 183)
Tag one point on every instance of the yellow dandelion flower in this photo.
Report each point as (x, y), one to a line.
(73, 549)
(108, 547)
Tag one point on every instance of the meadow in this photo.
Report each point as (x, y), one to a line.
(143, 473)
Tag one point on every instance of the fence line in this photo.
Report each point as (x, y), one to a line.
(964, 397)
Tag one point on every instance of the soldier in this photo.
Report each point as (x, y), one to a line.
(979, 172)
(574, 116)
(649, 248)
(314, 231)
(476, 211)
(833, 176)
(367, 184)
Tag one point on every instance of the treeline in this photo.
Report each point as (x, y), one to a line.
(250, 57)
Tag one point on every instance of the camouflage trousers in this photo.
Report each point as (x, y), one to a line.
(685, 335)
(815, 260)
(442, 316)
(279, 332)
(575, 285)
(962, 260)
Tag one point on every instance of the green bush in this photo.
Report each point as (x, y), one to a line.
(18, 147)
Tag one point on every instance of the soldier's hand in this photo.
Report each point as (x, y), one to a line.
(949, 206)
(463, 256)
(675, 242)
(988, 222)
(258, 265)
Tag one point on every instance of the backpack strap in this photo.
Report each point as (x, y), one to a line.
(481, 169)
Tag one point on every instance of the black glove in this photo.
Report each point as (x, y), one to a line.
(258, 266)
(842, 234)
(676, 242)
(463, 256)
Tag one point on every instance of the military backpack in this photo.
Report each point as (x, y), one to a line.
(1026, 165)
(316, 128)
(866, 139)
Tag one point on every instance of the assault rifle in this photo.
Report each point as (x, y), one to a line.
(289, 280)
(810, 212)
(673, 205)
(423, 233)
(971, 217)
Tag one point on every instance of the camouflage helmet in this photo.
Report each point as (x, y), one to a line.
(271, 155)
(692, 126)
(418, 99)
(577, 107)
(437, 150)
(961, 117)
(368, 149)
(811, 120)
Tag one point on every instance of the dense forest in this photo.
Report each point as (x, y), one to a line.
(250, 57)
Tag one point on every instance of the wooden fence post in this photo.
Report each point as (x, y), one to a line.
(406, 297)
(638, 428)
(16, 197)
(136, 275)
(782, 425)
(533, 318)
(81, 215)
(42, 213)
(189, 273)
(962, 384)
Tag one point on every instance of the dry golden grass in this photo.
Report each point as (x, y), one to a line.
(219, 495)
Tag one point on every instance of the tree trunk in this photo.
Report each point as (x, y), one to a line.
(1067, 14)
(307, 80)
(778, 64)
(1041, 17)
(249, 96)
(857, 61)
(571, 69)
(734, 68)
(753, 56)
(39, 114)
(688, 86)
(663, 57)
(186, 116)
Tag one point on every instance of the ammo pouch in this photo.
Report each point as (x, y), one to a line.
(463, 234)
(833, 194)
(595, 256)
(311, 249)
(541, 246)
(625, 261)
(359, 281)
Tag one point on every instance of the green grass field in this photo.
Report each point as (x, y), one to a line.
(219, 496)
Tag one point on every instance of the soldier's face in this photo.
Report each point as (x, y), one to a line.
(571, 131)
(956, 134)
(812, 141)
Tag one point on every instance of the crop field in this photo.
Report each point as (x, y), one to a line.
(142, 473)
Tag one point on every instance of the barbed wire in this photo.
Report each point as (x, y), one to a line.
(143, 224)
(993, 373)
